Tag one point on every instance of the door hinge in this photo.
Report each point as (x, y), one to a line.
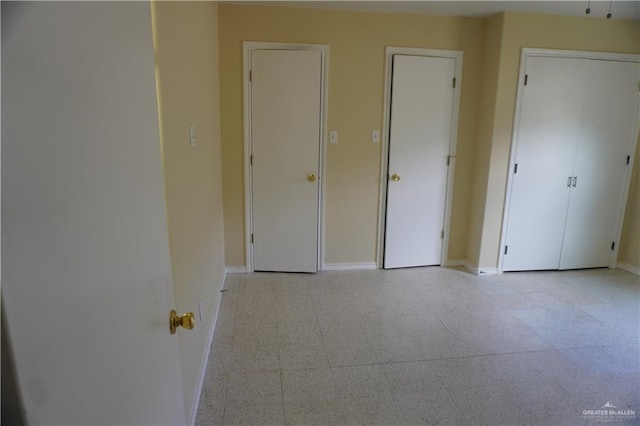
(628, 159)
(515, 169)
(454, 82)
(613, 245)
(448, 160)
(442, 235)
(251, 160)
(506, 249)
(526, 79)
(251, 238)
(250, 75)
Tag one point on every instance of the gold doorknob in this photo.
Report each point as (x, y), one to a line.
(311, 177)
(395, 177)
(187, 321)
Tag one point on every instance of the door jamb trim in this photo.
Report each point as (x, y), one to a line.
(247, 48)
(384, 157)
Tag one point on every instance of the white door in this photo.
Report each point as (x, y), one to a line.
(85, 257)
(549, 125)
(420, 132)
(286, 87)
(610, 108)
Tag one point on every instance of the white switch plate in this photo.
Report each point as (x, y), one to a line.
(375, 136)
(333, 136)
(192, 136)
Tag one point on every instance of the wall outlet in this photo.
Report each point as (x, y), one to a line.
(333, 136)
(375, 136)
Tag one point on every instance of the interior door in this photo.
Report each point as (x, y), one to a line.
(420, 130)
(85, 256)
(610, 109)
(547, 133)
(286, 87)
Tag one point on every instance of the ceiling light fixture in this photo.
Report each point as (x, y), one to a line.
(588, 10)
(609, 13)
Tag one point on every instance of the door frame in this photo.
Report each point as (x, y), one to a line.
(526, 53)
(384, 158)
(248, 47)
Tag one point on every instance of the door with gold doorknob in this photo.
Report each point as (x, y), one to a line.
(90, 286)
(420, 153)
(286, 89)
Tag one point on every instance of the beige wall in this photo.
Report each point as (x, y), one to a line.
(486, 119)
(186, 42)
(541, 31)
(356, 61)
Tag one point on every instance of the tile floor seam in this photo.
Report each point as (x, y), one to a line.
(235, 311)
(233, 325)
(317, 321)
(564, 347)
(533, 329)
(278, 349)
(315, 313)
(495, 354)
(443, 324)
(594, 318)
(459, 357)
(579, 289)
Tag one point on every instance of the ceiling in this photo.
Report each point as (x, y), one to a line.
(620, 9)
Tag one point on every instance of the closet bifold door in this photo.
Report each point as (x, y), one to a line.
(548, 128)
(606, 136)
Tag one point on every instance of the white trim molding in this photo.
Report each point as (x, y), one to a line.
(236, 269)
(450, 263)
(485, 271)
(349, 266)
(481, 271)
(205, 360)
(629, 268)
(470, 268)
(248, 47)
(384, 158)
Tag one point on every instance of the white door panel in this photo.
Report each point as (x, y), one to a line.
(420, 131)
(610, 109)
(86, 270)
(546, 144)
(285, 131)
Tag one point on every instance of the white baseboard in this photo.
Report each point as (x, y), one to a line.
(486, 271)
(472, 269)
(349, 266)
(629, 268)
(205, 359)
(236, 269)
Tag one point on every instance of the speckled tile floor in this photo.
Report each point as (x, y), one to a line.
(423, 346)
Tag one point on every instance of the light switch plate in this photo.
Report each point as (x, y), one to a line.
(333, 136)
(375, 136)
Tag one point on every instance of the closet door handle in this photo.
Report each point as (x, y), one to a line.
(575, 181)
(569, 182)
